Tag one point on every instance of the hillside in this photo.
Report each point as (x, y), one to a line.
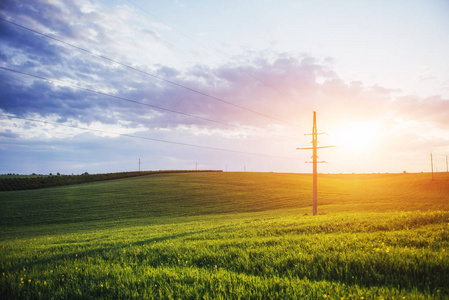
(229, 236)
(179, 195)
(29, 182)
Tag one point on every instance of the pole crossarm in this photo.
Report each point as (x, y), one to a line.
(311, 148)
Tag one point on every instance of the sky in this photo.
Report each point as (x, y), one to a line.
(94, 86)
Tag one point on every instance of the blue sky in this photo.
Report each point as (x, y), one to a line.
(240, 76)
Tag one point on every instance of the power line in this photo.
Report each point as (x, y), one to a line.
(136, 102)
(146, 73)
(117, 97)
(147, 138)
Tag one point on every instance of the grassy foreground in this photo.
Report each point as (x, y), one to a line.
(228, 235)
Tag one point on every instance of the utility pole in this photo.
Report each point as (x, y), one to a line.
(196, 166)
(315, 162)
(447, 168)
(431, 163)
(139, 164)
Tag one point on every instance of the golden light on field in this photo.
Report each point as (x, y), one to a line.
(356, 137)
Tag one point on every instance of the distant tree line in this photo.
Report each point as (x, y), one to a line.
(29, 183)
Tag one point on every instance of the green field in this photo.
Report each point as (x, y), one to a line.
(229, 236)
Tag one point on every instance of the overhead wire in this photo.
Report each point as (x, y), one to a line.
(138, 102)
(121, 98)
(147, 138)
(147, 73)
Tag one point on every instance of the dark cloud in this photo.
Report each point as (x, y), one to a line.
(167, 72)
(9, 134)
(48, 15)
(19, 46)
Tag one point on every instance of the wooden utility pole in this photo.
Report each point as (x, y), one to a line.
(431, 163)
(315, 162)
(139, 164)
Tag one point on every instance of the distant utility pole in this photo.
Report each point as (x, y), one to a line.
(139, 164)
(314, 147)
(431, 163)
(447, 168)
(196, 166)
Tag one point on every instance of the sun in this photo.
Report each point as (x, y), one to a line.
(356, 137)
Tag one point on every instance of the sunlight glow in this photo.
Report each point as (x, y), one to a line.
(356, 137)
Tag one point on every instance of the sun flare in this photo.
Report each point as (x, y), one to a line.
(356, 137)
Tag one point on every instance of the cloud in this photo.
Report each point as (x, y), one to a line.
(433, 109)
(9, 134)
(39, 56)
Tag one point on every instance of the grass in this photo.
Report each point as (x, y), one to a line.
(229, 235)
